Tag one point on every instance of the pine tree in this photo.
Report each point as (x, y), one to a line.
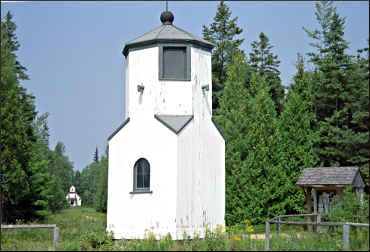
(41, 180)
(55, 192)
(233, 120)
(297, 138)
(62, 167)
(96, 156)
(101, 196)
(340, 93)
(254, 179)
(17, 136)
(265, 63)
(56, 196)
(90, 180)
(359, 149)
(76, 179)
(222, 32)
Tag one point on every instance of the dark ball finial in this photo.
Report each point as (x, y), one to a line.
(167, 18)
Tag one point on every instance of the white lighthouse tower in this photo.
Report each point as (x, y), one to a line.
(167, 158)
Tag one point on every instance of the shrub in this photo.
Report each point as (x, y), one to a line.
(94, 239)
(353, 209)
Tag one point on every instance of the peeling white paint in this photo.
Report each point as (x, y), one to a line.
(187, 177)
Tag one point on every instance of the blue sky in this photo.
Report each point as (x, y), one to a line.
(72, 51)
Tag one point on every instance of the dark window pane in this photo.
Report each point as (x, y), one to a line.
(142, 169)
(147, 181)
(139, 169)
(145, 166)
(174, 62)
(140, 182)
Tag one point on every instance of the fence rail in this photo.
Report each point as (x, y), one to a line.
(277, 220)
(54, 226)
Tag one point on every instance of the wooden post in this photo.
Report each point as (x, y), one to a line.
(315, 202)
(53, 226)
(361, 194)
(56, 237)
(315, 208)
(345, 237)
(308, 204)
(341, 196)
(318, 220)
(267, 236)
(278, 227)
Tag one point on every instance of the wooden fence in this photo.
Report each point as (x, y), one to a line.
(56, 230)
(277, 220)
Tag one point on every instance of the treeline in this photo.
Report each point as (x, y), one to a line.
(34, 179)
(274, 131)
(92, 183)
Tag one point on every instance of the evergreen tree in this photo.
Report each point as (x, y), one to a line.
(56, 196)
(341, 94)
(62, 167)
(20, 198)
(265, 178)
(53, 191)
(30, 186)
(85, 186)
(254, 179)
(102, 187)
(234, 123)
(76, 179)
(266, 64)
(222, 32)
(302, 84)
(90, 179)
(96, 156)
(359, 115)
(297, 139)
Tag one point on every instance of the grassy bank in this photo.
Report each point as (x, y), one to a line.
(84, 229)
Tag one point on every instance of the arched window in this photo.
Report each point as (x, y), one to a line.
(142, 175)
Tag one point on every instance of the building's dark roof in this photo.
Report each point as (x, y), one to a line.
(167, 32)
(218, 128)
(119, 128)
(330, 176)
(174, 122)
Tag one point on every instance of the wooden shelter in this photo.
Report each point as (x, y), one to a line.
(327, 182)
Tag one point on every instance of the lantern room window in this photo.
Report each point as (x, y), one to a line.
(174, 62)
(142, 176)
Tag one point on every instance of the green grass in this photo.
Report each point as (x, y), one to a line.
(73, 228)
(76, 232)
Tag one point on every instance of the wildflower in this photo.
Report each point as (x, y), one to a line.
(249, 229)
(247, 221)
(219, 228)
(236, 238)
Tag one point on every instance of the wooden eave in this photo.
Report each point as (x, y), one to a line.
(324, 186)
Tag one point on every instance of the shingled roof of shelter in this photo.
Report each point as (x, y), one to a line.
(328, 176)
(167, 32)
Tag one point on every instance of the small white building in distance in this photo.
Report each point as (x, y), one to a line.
(73, 198)
(167, 159)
